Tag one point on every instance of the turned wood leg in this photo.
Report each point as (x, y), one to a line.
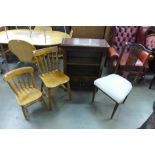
(94, 92)
(49, 99)
(25, 112)
(63, 87)
(42, 84)
(44, 103)
(69, 91)
(114, 110)
(151, 83)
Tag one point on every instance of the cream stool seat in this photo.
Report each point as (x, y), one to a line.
(114, 86)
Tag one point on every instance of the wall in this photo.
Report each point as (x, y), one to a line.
(96, 32)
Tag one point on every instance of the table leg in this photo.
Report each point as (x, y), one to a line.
(4, 56)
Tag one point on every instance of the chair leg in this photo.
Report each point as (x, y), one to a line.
(63, 87)
(44, 103)
(151, 83)
(69, 91)
(49, 99)
(25, 112)
(42, 84)
(94, 92)
(114, 110)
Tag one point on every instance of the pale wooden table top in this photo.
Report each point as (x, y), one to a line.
(35, 37)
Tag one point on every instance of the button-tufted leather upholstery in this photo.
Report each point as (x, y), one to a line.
(124, 34)
(120, 35)
(150, 44)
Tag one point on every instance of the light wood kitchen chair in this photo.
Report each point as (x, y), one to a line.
(23, 50)
(21, 81)
(49, 28)
(48, 67)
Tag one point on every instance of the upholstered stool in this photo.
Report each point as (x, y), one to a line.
(150, 122)
(115, 87)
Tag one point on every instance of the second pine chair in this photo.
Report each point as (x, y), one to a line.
(48, 68)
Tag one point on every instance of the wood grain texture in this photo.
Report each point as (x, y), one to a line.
(21, 81)
(81, 42)
(48, 67)
(43, 28)
(83, 60)
(96, 32)
(22, 49)
(35, 37)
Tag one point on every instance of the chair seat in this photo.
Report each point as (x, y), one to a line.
(114, 86)
(113, 54)
(54, 78)
(125, 59)
(28, 95)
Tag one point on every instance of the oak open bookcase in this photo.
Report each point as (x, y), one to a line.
(83, 61)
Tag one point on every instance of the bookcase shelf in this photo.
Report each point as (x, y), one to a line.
(83, 61)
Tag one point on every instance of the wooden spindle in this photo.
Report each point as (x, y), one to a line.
(53, 66)
(57, 60)
(23, 79)
(20, 84)
(28, 80)
(49, 63)
(33, 82)
(41, 64)
(12, 87)
(39, 67)
(45, 62)
(16, 85)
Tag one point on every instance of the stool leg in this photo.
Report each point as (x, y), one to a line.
(94, 92)
(105, 61)
(151, 83)
(115, 108)
(125, 99)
